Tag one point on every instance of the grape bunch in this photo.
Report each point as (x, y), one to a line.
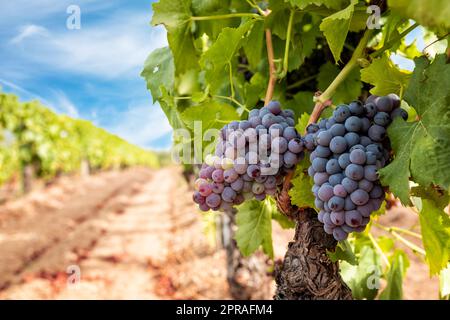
(251, 158)
(347, 150)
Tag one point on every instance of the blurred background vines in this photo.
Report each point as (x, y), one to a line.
(37, 143)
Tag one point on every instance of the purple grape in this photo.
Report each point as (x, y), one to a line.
(371, 110)
(205, 189)
(320, 215)
(353, 124)
(344, 160)
(337, 217)
(198, 198)
(339, 190)
(325, 192)
(270, 183)
(370, 173)
(353, 218)
(376, 132)
(337, 129)
(356, 108)
(320, 178)
(324, 138)
(349, 184)
(376, 192)
(274, 107)
(335, 179)
(382, 119)
(351, 138)
(399, 113)
(336, 203)
(228, 194)
(358, 156)
(213, 200)
(290, 133)
(230, 175)
(318, 203)
(337, 145)
(341, 113)
(365, 185)
(319, 164)
(354, 172)
(253, 171)
(333, 167)
(290, 158)
(218, 187)
(279, 145)
(237, 185)
(349, 205)
(295, 145)
(324, 152)
(359, 197)
(339, 234)
(384, 104)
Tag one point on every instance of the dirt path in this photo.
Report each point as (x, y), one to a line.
(119, 237)
(132, 234)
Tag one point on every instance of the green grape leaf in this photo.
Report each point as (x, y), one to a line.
(394, 289)
(253, 48)
(302, 123)
(254, 222)
(300, 193)
(363, 278)
(343, 252)
(176, 15)
(332, 4)
(435, 228)
(159, 71)
(170, 109)
(427, 140)
(430, 13)
(282, 220)
(385, 77)
(303, 103)
(335, 29)
(302, 45)
(440, 198)
(255, 89)
(347, 90)
(219, 58)
(212, 115)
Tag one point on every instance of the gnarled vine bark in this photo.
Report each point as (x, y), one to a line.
(306, 272)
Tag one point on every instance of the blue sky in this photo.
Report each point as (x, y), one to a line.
(91, 73)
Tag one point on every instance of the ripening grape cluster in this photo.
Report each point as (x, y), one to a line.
(251, 158)
(347, 150)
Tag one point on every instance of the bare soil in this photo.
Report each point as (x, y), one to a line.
(132, 234)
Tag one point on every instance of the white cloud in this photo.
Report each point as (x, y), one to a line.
(62, 104)
(28, 31)
(142, 124)
(112, 48)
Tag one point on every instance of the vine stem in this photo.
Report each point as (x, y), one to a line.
(376, 245)
(227, 16)
(406, 242)
(288, 41)
(272, 70)
(401, 230)
(357, 54)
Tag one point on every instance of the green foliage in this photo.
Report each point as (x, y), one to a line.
(385, 77)
(31, 134)
(394, 289)
(427, 140)
(254, 222)
(217, 70)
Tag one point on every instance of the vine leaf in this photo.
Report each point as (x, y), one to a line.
(254, 222)
(159, 71)
(347, 90)
(254, 46)
(170, 109)
(399, 264)
(385, 77)
(422, 148)
(343, 251)
(300, 193)
(431, 13)
(218, 59)
(212, 114)
(363, 278)
(435, 227)
(332, 4)
(335, 29)
(176, 15)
